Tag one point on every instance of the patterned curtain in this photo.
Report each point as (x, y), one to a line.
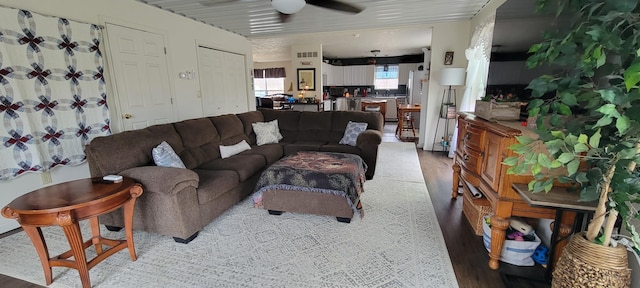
(52, 91)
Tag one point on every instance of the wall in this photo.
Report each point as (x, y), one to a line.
(443, 40)
(456, 37)
(316, 63)
(288, 69)
(181, 37)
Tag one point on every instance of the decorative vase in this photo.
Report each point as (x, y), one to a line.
(586, 264)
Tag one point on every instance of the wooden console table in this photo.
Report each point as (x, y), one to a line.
(66, 204)
(481, 148)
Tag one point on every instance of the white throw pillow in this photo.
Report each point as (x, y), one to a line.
(267, 132)
(228, 151)
(352, 131)
(163, 155)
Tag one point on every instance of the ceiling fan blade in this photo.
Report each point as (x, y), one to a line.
(284, 18)
(336, 5)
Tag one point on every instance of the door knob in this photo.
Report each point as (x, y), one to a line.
(127, 116)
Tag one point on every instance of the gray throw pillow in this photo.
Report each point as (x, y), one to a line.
(163, 155)
(267, 132)
(351, 133)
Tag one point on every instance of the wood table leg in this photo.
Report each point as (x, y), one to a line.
(499, 226)
(35, 234)
(135, 191)
(456, 179)
(95, 232)
(74, 236)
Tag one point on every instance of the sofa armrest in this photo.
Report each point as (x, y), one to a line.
(166, 180)
(369, 138)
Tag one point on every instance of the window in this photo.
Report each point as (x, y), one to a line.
(268, 86)
(268, 81)
(386, 77)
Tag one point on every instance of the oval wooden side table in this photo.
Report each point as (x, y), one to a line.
(66, 204)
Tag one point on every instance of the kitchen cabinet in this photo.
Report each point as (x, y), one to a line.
(338, 75)
(481, 148)
(353, 75)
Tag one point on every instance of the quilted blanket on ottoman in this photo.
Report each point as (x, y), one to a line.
(321, 172)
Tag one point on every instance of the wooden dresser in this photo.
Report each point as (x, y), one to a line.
(481, 148)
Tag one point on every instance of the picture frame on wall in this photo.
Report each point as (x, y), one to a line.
(307, 79)
(448, 58)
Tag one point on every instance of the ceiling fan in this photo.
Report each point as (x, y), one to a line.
(286, 8)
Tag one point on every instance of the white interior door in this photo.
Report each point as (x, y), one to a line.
(141, 78)
(223, 83)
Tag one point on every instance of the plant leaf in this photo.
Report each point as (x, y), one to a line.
(510, 161)
(573, 166)
(566, 157)
(580, 147)
(622, 124)
(594, 141)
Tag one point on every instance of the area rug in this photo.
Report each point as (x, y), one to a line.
(397, 243)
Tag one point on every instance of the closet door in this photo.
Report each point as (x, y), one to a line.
(223, 83)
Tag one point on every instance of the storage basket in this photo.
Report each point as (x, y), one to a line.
(497, 110)
(475, 210)
(513, 252)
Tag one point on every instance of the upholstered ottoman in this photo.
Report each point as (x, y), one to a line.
(323, 183)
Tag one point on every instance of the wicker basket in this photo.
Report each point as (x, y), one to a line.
(586, 264)
(475, 210)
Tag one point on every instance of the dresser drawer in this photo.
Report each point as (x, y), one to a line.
(473, 137)
(471, 160)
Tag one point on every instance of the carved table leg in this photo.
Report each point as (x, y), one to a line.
(74, 236)
(499, 226)
(135, 192)
(456, 179)
(35, 234)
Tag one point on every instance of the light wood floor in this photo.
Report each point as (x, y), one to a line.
(467, 253)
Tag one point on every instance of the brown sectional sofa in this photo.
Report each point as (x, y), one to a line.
(180, 202)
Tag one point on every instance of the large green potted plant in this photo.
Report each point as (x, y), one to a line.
(588, 120)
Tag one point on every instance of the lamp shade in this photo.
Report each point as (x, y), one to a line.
(452, 76)
(288, 6)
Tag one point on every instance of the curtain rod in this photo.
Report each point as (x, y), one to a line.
(47, 15)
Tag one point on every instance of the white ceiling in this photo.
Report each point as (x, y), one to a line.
(395, 27)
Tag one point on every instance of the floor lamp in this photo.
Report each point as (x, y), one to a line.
(448, 77)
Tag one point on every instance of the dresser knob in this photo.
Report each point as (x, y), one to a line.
(466, 157)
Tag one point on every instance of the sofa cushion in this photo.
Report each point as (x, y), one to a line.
(287, 122)
(246, 165)
(302, 146)
(163, 155)
(270, 152)
(314, 126)
(214, 183)
(201, 141)
(247, 118)
(229, 128)
(354, 129)
(340, 149)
